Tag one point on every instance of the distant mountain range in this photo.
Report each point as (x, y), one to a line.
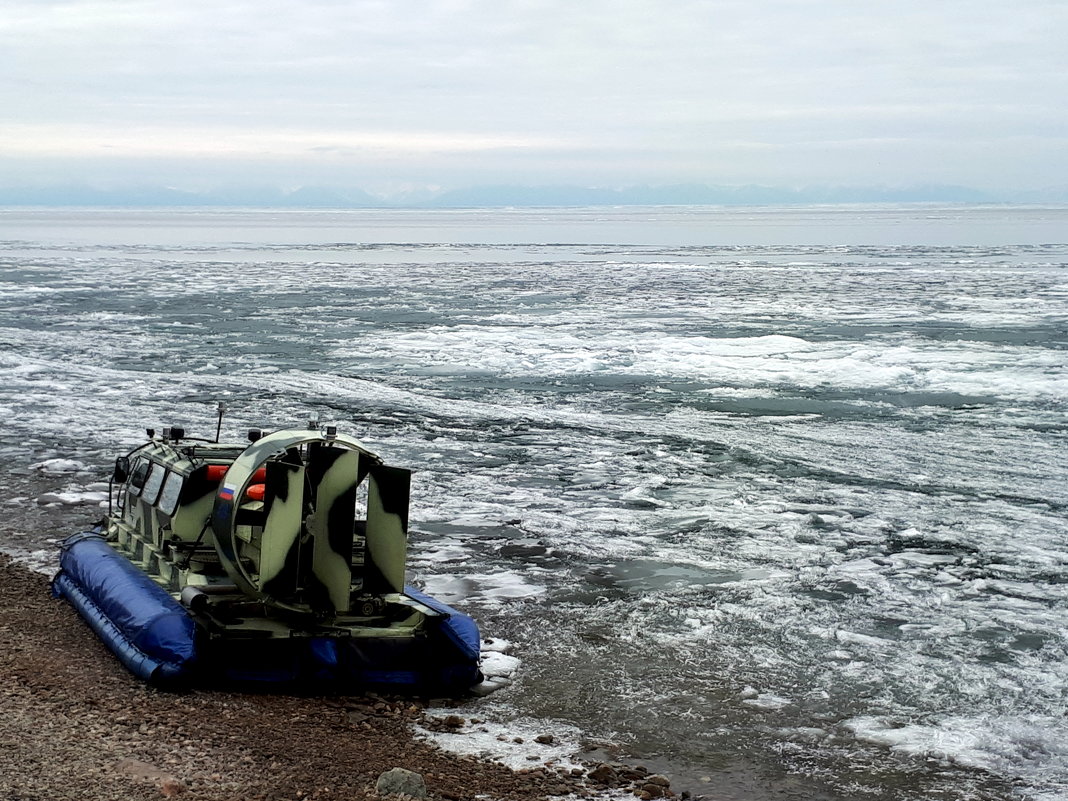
(506, 195)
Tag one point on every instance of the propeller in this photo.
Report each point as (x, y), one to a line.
(286, 515)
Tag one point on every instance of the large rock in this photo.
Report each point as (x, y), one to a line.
(401, 781)
(603, 774)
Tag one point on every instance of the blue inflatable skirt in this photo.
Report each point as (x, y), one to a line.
(158, 640)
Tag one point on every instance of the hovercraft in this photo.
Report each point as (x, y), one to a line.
(277, 563)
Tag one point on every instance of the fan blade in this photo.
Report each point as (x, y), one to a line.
(279, 562)
(333, 476)
(388, 494)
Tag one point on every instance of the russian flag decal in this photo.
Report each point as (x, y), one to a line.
(226, 494)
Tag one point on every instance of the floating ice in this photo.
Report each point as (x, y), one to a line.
(957, 742)
(55, 467)
(499, 668)
(74, 498)
(512, 743)
(503, 586)
(767, 701)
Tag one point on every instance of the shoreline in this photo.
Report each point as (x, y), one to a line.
(76, 725)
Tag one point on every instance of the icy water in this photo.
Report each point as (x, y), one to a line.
(774, 499)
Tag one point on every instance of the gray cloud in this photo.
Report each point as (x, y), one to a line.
(773, 91)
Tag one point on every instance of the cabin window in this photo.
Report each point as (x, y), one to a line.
(138, 476)
(172, 488)
(154, 481)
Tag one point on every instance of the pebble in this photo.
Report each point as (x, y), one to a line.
(171, 787)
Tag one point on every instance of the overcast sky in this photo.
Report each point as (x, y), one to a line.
(453, 93)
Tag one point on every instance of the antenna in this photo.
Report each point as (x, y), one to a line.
(218, 427)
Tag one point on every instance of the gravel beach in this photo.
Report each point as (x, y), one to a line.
(75, 725)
